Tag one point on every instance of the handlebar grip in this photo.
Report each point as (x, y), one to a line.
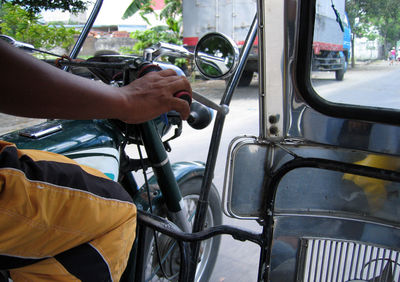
(148, 67)
(184, 95)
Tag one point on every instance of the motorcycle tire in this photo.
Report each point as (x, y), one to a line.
(169, 250)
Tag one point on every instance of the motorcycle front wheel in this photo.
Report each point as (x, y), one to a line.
(168, 250)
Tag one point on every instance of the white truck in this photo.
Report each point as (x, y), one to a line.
(230, 17)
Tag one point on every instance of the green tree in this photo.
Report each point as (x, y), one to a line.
(356, 21)
(35, 6)
(384, 15)
(24, 26)
(375, 18)
(171, 14)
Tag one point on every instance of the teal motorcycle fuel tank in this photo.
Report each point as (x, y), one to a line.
(94, 143)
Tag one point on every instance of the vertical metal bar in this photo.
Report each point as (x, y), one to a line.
(310, 260)
(183, 267)
(165, 177)
(384, 258)
(159, 161)
(139, 270)
(214, 146)
(317, 259)
(334, 259)
(85, 31)
(388, 264)
(352, 263)
(345, 261)
(363, 262)
(261, 60)
(358, 260)
(396, 260)
(263, 265)
(323, 260)
(369, 261)
(376, 262)
(339, 260)
(305, 247)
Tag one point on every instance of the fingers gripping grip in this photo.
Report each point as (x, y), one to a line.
(146, 68)
(184, 95)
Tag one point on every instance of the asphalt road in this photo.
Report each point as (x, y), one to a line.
(375, 84)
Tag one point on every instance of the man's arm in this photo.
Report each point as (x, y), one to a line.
(32, 88)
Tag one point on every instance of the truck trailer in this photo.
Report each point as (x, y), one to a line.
(230, 17)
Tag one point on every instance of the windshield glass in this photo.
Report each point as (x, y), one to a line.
(356, 52)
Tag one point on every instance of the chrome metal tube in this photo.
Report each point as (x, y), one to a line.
(89, 23)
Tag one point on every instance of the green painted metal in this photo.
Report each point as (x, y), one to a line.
(74, 136)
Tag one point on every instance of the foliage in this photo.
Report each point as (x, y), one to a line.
(357, 18)
(170, 33)
(385, 16)
(152, 36)
(23, 26)
(142, 6)
(171, 13)
(35, 6)
(368, 17)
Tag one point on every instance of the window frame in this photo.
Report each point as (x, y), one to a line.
(303, 78)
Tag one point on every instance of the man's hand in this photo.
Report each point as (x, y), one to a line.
(153, 94)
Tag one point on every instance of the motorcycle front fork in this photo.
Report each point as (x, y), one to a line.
(159, 161)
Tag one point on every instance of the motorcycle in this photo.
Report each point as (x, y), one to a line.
(173, 191)
(319, 179)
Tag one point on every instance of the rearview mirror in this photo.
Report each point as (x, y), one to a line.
(216, 56)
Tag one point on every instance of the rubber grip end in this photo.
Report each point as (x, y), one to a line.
(184, 95)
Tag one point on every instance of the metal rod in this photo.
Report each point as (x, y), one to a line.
(222, 109)
(81, 39)
(184, 265)
(170, 229)
(100, 65)
(140, 259)
(202, 205)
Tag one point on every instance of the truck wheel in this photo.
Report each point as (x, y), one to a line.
(246, 78)
(339, 74)
(169, 250)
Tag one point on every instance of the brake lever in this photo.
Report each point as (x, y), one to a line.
(222, 109)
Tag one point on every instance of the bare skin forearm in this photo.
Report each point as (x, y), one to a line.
(60, 95)
(33, 88)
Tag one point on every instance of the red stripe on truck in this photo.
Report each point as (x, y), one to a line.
(241, 43)
(322, 46)
(190, 41)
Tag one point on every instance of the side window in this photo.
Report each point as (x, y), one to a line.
(355, 56)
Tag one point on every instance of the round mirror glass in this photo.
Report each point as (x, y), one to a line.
(216, 56)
